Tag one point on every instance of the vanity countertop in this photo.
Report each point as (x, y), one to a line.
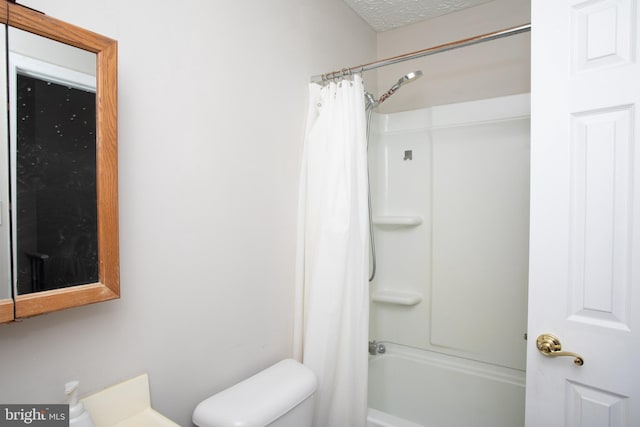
(127, 404)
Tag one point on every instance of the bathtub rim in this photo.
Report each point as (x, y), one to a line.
(455, 363)
(377, 418)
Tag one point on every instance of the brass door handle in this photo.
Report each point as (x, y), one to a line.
(550, 346)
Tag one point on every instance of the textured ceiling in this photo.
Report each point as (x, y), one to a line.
(384, 15)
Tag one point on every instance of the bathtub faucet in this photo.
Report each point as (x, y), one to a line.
(376, 348)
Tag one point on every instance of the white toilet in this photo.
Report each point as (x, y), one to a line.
(279, 396)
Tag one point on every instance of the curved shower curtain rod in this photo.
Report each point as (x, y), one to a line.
(420, 53)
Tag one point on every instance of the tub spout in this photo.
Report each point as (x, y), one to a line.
(376, 348)
(373, 348)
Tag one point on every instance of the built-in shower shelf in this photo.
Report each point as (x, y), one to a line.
(390, 296)
(398, 220)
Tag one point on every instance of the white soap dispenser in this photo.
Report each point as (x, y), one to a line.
(78, 417)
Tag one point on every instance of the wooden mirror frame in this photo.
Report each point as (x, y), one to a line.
(106, 49)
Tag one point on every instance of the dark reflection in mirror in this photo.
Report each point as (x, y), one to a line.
(56, 186)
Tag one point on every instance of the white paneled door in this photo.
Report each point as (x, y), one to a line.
(585, 214)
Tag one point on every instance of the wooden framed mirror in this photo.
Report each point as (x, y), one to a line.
(102, 282)
(6, 299)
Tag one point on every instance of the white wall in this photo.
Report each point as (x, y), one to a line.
(212, 101)
(496, 68)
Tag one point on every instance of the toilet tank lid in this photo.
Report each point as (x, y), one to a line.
(260, 399)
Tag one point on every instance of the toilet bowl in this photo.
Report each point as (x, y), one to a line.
(279, 396)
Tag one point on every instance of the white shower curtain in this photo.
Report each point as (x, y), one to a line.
(332, 288)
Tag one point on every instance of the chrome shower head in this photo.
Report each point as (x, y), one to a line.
(407, 78)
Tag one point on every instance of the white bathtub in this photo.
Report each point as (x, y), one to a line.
(410, 388)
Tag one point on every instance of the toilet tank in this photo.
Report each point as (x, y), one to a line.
(279, 396)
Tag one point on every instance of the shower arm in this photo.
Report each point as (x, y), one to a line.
(388, 93)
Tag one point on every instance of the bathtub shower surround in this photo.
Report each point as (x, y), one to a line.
(450, 198)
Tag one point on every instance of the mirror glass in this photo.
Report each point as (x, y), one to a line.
(52, 95)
